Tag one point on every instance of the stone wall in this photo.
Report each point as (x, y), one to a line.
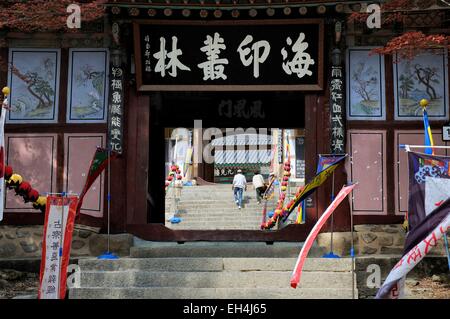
(26, 242)
(372, 240)
(387, 240)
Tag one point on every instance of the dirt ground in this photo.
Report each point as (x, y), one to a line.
(436, 287)
(26, 284)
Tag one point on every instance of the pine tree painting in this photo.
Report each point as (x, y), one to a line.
(421, 78)
(87, 87)
(34, 81)
(364, 78)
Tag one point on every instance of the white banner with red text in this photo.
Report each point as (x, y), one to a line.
(57, 239)
(393, 287)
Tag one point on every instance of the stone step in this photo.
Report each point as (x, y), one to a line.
(226, 279)
(215, 225)
(211, 227)
(210, 293)
(217, 203)
(219, 209)
(214, 264)
(228, 217)
(144, 249)
(243, 212)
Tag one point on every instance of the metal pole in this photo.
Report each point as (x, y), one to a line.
(423, 146)
(352, 254)
(61, 243)
(332, 215)
(109, 194)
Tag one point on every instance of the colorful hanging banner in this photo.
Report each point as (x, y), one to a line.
(98, 164)
(57, 239)
(304, 191)
(296, 274)
(326, 160)
(428, 137)
(393, 287)
(429, 185)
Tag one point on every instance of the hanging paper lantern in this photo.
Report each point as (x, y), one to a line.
(173, 168)
(40, 203)
(23, 188)
(170, 178)
(31, 196)
(8, 172)
(179, 177)
(6, 90)
(14, 181)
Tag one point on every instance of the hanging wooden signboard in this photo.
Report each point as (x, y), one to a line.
(229, 55)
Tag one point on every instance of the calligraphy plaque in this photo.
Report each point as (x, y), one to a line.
(337, 110)
(229, 55)
(115, 118)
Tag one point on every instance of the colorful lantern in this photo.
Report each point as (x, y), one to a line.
(8, 172)
(23, 188)
(14, 181)
(31, 196)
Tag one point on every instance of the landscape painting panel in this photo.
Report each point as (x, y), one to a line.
(87, 98)
(424, 77)
(34, 83)
(365, 78)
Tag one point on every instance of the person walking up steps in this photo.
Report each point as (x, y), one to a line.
(259, 185)
(239, 184)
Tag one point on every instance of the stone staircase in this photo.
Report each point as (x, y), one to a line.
(212, 207)
(213, 271)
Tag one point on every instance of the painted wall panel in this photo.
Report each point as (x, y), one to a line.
(78, 152)
(412, 137)
(368, 167)
(33, 156)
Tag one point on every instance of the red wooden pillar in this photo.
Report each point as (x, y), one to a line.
(137, 152)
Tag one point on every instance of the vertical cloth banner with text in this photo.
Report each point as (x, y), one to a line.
(98, 164)
(439, 222)
(297, 272)
(57, 239)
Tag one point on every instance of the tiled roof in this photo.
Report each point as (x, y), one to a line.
(242, 156)
(243, 139)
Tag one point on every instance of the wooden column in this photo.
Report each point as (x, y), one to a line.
(137, 151)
